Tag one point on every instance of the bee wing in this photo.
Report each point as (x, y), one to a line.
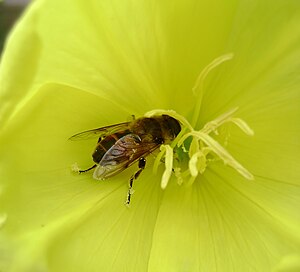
(98, 132)
(126, 151)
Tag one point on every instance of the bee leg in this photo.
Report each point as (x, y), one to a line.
(142, 164)
(83, 171)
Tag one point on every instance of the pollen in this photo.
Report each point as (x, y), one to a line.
(199, 146)
(75, 168)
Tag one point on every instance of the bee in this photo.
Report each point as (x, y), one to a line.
(121, 145)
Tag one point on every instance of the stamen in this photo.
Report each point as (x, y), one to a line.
(169, 165)
(194, 147)
(158, 160)
(242, 125)
(198, 87)
(201, 145)
(223, 118)
(216, 62)
(222, 153)
(197, 163)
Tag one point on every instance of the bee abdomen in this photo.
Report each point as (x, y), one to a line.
(105, 144)
(99, 152)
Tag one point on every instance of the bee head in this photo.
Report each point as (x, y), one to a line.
(173, 125)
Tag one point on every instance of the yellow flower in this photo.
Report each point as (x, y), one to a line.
(74, 65)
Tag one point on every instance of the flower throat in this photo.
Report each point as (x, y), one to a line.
(196, 149)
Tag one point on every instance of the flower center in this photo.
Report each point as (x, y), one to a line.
(198, 146)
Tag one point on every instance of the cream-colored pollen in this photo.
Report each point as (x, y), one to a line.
(197, 163)
(178, 175)
(169, 165)
(75, 168)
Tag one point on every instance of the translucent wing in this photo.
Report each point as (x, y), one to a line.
(99, 132)
(126, 151)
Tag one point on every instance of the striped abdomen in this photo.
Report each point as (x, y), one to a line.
(105, 144)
